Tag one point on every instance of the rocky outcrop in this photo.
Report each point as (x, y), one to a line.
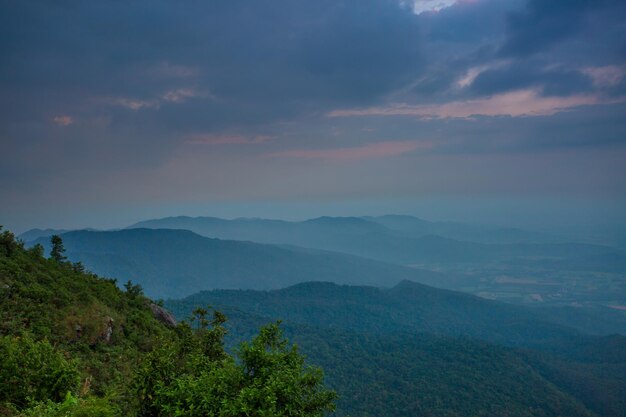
(108, 330)
(162, 315)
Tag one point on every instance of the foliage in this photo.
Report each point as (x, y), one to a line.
(74, 407)
(8, 245)
(32, 371)
(375, 352)
(73, 344)
(133, 290)
(58, 250)
(195, 377)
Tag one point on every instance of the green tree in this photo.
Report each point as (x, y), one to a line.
(58, 250)
(133, 290)
(37, 251)
(8, 245)
(196, 377)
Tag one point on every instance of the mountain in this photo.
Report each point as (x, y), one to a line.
(34, 234)
(175, 263)
(411, 226)
(404, 240)
(401, 225)
(412, 350)
(73, 344)
(64, 329)
(406, 307)
(83, 333)
(404, 374)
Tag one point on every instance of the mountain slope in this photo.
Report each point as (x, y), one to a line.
(408, 307)
(386, 329)
(89, 321)
(175, 263)
(74, 345)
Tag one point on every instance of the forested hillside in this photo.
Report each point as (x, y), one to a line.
(379, 344)
(408, 306)
(73, 344)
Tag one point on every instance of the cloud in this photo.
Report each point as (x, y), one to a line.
(552, 81)
(369, 151)
(522, 103)
(545, 23)
(473, 72)
(425, 6)
(268, 62)
(132, 103)
(174, 96)
(63, 120)
(215, 79)
(607, 76)
(228, 140)
(542, 24)
(181, 95)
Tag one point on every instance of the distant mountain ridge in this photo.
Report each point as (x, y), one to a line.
(386, 239)
(175, 263)
(407, 226)
(34, 234)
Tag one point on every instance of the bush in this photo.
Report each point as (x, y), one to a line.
(33, 371)
(73, 407)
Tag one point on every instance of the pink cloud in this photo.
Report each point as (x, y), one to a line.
(522, 103)
(228, 140)
(606, 76)
(369, 151)
(63, 120)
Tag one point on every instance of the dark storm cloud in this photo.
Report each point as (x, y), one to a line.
(258, 56)
(542, 24)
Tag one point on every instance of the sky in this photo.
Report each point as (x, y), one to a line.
(501, 111)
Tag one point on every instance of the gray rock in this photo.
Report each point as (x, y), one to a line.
(163, 315)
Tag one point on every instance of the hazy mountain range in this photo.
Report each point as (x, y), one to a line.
(175, 263)
(404, 240)
(373, 321)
